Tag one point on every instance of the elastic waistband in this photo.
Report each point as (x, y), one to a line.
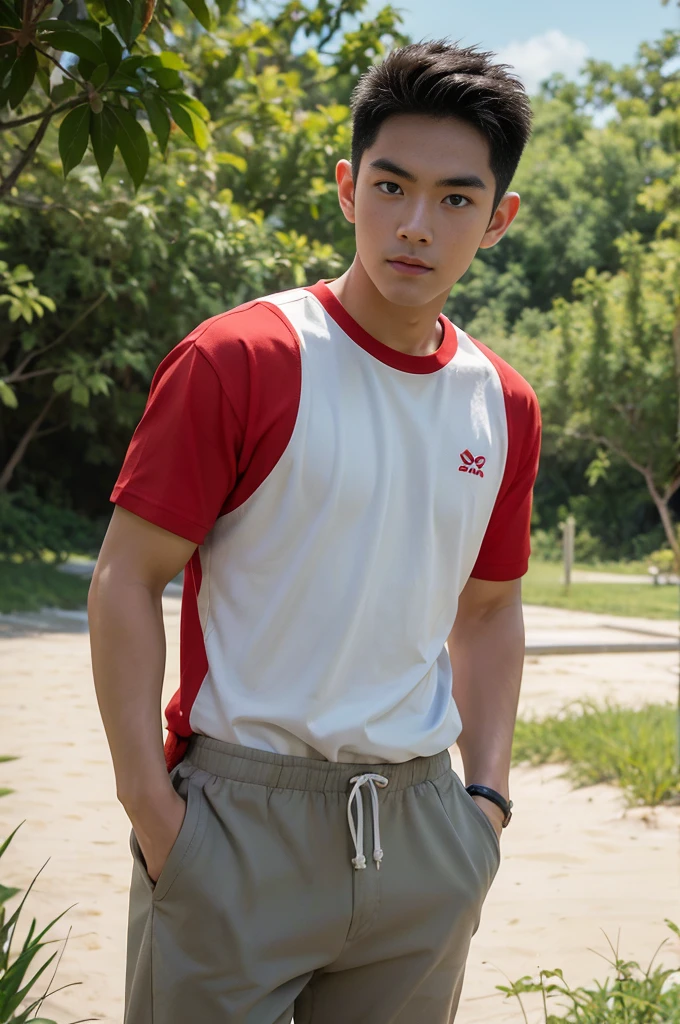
(284, 771)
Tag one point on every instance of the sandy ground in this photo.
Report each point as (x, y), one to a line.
(576, 864)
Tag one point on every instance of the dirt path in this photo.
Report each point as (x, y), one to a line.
(574, 862)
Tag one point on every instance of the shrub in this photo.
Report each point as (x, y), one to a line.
(546, 546)
(587, 548)
(30, 527)
(663, 560)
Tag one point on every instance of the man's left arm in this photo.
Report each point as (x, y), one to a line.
(486, 648)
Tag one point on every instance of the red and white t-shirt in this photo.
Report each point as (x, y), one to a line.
(341, 494)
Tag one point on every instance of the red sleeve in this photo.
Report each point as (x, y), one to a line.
(505, 550)
(181, 462)
(220, 411)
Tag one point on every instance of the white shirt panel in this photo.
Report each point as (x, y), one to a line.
(328, 596)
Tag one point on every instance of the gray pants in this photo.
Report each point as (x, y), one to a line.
(264, 907)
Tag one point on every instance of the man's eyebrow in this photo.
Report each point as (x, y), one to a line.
(382, 164)
(466, 181)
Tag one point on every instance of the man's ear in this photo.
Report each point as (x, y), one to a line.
(343, 176)
(506, 211)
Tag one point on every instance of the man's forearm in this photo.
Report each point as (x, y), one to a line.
(487, 655)
(127, 641)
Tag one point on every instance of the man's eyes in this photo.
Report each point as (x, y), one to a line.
(390, 188)
(461, 201)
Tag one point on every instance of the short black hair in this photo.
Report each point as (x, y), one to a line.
(442, 79)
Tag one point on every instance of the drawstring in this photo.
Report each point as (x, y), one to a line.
(372, 781)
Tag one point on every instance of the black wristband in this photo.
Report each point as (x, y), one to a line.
(497, 798)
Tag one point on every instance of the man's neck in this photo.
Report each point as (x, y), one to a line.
(414, 330)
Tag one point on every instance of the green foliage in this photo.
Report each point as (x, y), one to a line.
(14, 986)
(73, 136)
(29, 527)
(605, 743)
(132, 143)
(633, 996)
(621, 388)
(22, 298)
(663, 560)
(229, 134)
(117, 69)
(546, 545)
(581, 188)
(586, 547)
(104, 133)
(130, 276)
(127, 58)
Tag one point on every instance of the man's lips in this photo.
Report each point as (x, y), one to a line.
(404, 267)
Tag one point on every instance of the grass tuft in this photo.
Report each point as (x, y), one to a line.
(604, 743)
(633, 996)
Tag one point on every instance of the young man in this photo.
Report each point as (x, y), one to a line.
(346, 479)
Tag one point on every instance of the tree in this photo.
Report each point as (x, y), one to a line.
(97, 65)
(580, 183)
(600, 224)
(104, 64)
(621, 376)
(129, 275)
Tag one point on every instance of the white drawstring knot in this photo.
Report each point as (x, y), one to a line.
(371, 780)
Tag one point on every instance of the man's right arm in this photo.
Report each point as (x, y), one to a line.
(127, 642)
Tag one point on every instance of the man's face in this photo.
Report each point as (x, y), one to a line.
(424, 192)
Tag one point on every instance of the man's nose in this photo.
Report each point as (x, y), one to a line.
(416, 226)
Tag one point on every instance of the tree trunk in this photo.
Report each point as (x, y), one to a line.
(27, 155)
(665, 516)
(660, 500)
(20, 450)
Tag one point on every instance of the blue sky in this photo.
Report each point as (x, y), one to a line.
(540, 36)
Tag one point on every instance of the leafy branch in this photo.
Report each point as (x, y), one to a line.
(6, 126)
(8, 183)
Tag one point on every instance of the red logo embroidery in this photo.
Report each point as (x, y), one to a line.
(470, 464)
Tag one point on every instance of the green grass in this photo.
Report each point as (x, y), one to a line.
(30, 586)
(634, 995)
(543, 585)
(4, 790)
(620, 568)
(634, 749)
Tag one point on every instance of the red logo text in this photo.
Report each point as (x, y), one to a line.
(470, 464)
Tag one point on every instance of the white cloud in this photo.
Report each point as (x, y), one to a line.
(536, 58)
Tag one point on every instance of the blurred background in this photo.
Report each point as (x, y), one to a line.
(199, 140)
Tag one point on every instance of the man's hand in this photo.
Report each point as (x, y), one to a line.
(157, 829)
(493, 813)
(486, 648)
(127, 639)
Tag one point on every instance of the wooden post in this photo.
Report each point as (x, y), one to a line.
(568, 532)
